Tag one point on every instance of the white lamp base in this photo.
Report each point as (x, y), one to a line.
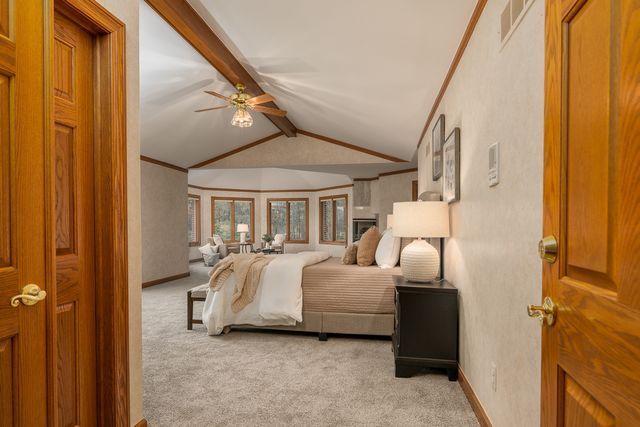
(419, 261)
(243, 237)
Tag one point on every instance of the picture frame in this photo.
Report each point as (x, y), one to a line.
(451, 167)
(437, 140)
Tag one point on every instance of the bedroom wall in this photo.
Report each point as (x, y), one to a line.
(385, 191)
(261, 216)
(164, 222)
(127, 12)
(496, 95)
(391, 189)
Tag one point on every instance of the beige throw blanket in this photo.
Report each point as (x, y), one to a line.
(247, 268)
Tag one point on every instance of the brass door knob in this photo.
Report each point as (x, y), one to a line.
(31, 295)
(545, 312)
(548, 249)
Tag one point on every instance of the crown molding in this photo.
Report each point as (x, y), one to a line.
(471, 26)
(398, 172)
(161, 163)
(386, 174)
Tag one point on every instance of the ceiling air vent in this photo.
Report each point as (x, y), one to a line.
(511, 16)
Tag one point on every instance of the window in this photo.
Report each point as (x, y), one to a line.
(333, 219)
(289, 217)
(193, 221)
(227, 213)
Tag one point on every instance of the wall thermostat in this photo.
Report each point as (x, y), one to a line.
(494, 164)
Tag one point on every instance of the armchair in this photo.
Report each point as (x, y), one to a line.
(278, 242)
(223, 248)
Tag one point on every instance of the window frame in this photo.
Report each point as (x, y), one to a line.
(198, 225)
(232, 200)
(288, 200)
(333, 198)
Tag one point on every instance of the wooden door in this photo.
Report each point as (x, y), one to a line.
(73, 77)
(591, 355)
(23, 350)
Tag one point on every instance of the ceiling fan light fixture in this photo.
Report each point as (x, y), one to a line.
(242, 118)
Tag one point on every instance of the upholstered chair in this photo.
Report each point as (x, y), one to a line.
(278, 242)
(224, 249)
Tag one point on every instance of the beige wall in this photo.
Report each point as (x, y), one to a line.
(261, 216)
(165, 250)
(496, 95)
(385, 191)
(391, 189)
(127, 12)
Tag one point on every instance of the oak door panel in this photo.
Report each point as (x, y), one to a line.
(73, 77)
(5, 173)
(23, 399)
(7, 381)
(65, 192)
(591, 368)
(68, 384)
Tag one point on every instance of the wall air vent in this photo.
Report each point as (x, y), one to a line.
(511, 16)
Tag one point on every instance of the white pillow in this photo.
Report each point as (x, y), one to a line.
(388, 251)
(218, 240)
(206, 249)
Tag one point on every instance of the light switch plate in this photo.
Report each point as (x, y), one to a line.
(494, 164)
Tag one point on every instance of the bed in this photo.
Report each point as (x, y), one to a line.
(336, 298)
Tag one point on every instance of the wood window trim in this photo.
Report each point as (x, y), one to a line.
(252, 228)
(198, 220)
(288, 216)
(334, 231)
(111, 247)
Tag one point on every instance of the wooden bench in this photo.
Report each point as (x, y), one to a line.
(199, 293)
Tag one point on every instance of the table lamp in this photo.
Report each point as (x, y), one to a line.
(243, 229)
(420, 261)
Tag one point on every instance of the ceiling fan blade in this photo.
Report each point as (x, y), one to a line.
(210, 92)
(260, 99)
(214, 108)
(272, 111)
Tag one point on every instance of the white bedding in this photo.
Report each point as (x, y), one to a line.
(278, 299)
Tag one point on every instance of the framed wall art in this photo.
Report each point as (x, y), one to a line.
(451, 167)
(437, 139)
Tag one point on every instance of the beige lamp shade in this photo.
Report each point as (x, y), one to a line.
(243, 228)
(421, 219)
(390, 221)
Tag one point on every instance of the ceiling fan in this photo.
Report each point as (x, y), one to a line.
(242, 102)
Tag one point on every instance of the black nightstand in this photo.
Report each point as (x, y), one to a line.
(426, 327)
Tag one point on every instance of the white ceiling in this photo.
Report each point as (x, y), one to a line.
(362, 71)
(172, 79)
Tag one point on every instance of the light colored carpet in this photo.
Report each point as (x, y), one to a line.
(268, 378)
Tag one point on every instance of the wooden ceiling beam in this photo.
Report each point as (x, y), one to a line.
(186, 21)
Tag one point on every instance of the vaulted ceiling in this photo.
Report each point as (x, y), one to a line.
(365, 72)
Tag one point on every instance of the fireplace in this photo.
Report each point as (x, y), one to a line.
(360, 225)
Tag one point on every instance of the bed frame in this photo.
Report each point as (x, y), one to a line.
(321, 322)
